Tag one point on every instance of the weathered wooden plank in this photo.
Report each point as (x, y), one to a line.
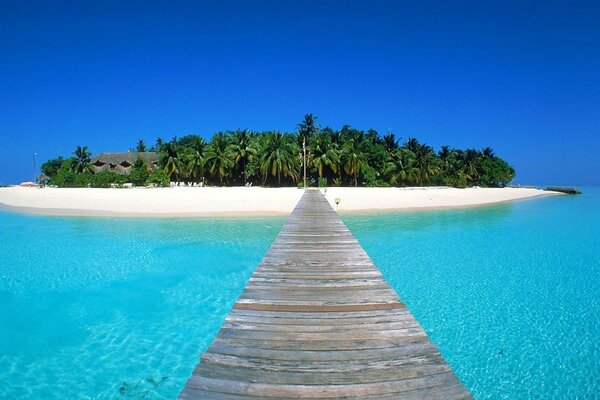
(375, 366)
(312, 307)
(309, 321)
(371, 295)
(321, 391)
(406, 352)
(338, 376)
(328, 316)
(326, 345)
(269, 327)
(318, 320)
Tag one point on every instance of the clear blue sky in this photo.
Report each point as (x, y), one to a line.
(522, 77)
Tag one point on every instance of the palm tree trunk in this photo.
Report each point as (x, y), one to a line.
(355, 180)
(278, 178)
(244, 171)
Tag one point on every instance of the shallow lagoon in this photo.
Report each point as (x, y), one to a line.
(100, 308)
(509, 293)
(110, 308)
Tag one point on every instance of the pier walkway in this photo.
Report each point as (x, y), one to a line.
(317, 320)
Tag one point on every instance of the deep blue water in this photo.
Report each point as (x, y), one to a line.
(101, 308)
(510, 293)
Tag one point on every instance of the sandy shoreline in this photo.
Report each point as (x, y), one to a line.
(242, 201)
(421, 199)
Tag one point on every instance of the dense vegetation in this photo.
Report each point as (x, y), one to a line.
(335, 157)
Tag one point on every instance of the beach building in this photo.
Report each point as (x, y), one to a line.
(121, 163)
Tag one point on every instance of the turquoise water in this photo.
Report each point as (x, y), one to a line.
(105, 308)
(510, 293)
(100, 308)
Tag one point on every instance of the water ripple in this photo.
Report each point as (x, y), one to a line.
(116, 308)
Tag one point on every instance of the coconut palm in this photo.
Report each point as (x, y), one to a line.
(194, 163)
(244, 148)
(158, 144)
(141, 146)
(444, 154)
(308, 127)
(171, 159)
(469, 167)
(192, 141)
(353, 158)
(324, 154)
(412, 144)
(390, 143)
(219, 156)
(280, 157)
(401, 170)
(425, 162)
(81, 162)
(488, 152)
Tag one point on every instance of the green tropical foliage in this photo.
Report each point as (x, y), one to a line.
(354, 158)
(308, 127)
(280, 157)
(158, 178)
(171, 159)
(80, 162)
(324, 155)
(220, 156)
(347, 156)
(194, 162)
(51, 167)
(140, 171)
(67, 177)
(244, 148)
(141, 146)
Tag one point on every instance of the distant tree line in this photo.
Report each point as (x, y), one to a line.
(345, 157)
(77, 171)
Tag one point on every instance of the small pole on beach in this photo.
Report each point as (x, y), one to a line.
(34, 155)
(304, 158)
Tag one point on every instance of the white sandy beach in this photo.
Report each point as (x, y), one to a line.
(389, 199)
(240, 201)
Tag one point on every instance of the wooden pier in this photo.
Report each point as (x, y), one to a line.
(317, 320)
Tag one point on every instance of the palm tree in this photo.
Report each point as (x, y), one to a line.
(324, 153)
(488, 152)
(444, 154)
(141, 146)
(171, 159)
(308, 127)
(470, 160)
(412, 144)
(244, 148)
(192, 141)
(194, 160)
(401, 169)
(159, 144)
(280, 157)
(353, 158)
(81, 162)
(425, 163)
(390, 143)
(140, 171)
(219, 156)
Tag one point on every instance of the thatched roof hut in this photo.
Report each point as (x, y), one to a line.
(121, 162)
